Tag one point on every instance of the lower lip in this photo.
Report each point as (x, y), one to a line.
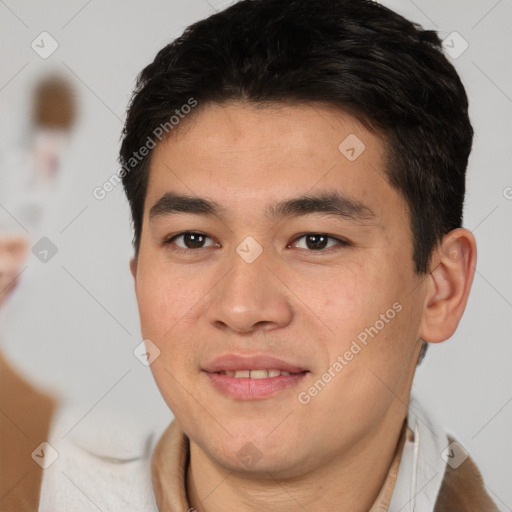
(253, 389)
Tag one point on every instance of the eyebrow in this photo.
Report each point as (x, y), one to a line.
(333, 204)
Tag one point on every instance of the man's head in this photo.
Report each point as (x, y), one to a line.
(355, 54)
(303, 204)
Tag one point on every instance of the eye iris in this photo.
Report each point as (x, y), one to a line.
(193, 240)
(316, 241)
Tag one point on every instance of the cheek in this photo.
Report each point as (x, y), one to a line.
(351, 303)
(164, 300)
(169, 305)
(372, 329)
(167, 380)
(384, 357)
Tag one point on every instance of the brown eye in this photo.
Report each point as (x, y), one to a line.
(190, 240)
(193, 240)
(318, 241)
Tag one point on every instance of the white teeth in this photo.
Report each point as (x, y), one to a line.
(255, 374)
(259, 374)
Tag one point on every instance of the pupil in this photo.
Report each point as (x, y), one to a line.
(193, 240)
(317, 241)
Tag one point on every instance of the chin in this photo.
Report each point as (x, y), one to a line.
(263, 464)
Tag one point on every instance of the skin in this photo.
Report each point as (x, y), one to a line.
(294, 302)
(13, 253)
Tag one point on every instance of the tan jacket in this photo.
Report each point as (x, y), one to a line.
(462, 489)
(25, 419)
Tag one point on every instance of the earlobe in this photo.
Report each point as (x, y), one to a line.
(133, 267)
(453, 269)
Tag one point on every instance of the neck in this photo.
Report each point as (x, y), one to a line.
(349, 481)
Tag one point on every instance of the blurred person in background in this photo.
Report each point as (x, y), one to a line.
(29, 176)
(27, 181)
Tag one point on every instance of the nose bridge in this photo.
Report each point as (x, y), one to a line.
(249, 294)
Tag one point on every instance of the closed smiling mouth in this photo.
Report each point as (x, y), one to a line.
(250, 377)
(255, 364)
(256, 374)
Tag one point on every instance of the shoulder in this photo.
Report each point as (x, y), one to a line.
(24, 424)
(436, 474)
(463, 489)
(100, 460)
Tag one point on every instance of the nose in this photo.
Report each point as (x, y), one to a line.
(251, 297)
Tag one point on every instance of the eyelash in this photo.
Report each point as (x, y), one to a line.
(169, 241)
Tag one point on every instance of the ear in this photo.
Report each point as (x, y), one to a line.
(449, 283)
(133, 267)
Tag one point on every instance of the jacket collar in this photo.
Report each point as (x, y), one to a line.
(171, 458)
(422, 467)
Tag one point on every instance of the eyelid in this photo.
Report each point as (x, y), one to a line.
(341, 242)
(170, 239)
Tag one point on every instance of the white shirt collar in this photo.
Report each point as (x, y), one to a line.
(421, 468)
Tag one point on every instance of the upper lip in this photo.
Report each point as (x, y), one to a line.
(233, 362)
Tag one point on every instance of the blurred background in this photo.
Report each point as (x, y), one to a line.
(71, 324)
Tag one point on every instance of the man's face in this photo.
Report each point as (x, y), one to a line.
(310, 285)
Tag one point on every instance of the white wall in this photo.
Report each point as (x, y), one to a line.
(73, 322)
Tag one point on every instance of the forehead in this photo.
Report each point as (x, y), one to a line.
(244, 156)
